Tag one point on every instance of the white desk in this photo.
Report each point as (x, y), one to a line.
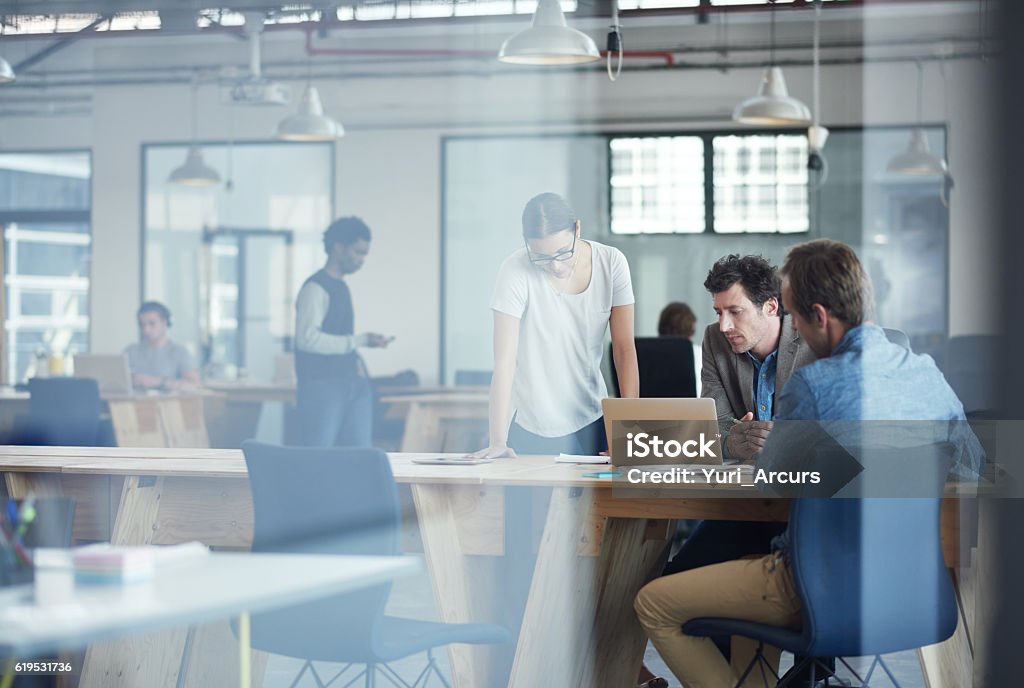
(218, 586)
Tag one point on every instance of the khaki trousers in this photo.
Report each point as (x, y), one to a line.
(758, 589)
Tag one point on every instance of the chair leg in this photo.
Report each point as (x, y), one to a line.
(344, 670)
(316, 676)
(302, 672)
(885, 668)
(394, 679)
(371, 676)
(437, 670)
(750, 667)
(761, 663)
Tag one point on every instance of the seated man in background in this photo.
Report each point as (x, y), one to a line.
(861, 376)
(157, 362)
(677, 319)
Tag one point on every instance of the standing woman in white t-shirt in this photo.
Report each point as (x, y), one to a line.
(553, 302)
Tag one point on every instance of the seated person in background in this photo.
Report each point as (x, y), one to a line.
(677, 319)
(157, 362)
(861, 376)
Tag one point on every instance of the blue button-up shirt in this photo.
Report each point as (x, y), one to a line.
(764, 384)
(868, 378)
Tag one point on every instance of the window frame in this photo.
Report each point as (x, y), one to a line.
(57, 216)
(708, 136)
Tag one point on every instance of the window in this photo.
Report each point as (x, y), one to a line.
(229, 259)
(758, 184)
(45, 218)
(657, 185)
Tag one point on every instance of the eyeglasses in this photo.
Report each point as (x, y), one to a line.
(560, 257)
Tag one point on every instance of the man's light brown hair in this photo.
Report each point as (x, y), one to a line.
(829, 272)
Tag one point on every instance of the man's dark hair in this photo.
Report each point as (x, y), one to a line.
(156, 307)
(346, 231)
(829, 273)
(677, 319)
(759, 278)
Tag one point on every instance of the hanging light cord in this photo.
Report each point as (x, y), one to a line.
(771, 40)
(614, 45)
(816, 75)
(816, 161)
(947, 181)
(920, 93)
(195, 108)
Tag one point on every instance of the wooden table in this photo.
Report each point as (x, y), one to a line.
(595, 552)
(445, 422)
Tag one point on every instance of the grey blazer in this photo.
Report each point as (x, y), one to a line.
(728, 378)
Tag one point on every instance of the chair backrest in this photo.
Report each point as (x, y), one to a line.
(870, 575)
(666, 368)
(325, 501)
(63, 411)
(970, 367)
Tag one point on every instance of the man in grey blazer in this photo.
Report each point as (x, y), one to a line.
(749, 354)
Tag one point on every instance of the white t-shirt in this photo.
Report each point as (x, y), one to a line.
(558, 386)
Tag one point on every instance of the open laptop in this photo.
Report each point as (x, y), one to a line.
(687, 428)
(109, 370)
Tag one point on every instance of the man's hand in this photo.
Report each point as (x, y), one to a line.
(747, 437)
(495, 451)
(147, 381)
(377, 341)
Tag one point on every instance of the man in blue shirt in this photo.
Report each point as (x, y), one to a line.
(862, 376)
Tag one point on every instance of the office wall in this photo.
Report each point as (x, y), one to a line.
(388, 166)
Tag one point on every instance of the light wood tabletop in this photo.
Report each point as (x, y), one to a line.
(600, 543)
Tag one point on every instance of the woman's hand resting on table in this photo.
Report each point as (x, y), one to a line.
(495, 451)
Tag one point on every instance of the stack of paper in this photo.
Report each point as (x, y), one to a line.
(106, 564)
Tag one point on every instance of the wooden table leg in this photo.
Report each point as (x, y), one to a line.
(155, 659)
(20, 485)
(950, 664)
(460, 594)
(579, 628)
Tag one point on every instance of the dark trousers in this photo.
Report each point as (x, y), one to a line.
(588, 440)
(335, 412)
(714, 542)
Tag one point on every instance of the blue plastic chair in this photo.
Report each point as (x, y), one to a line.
(63, 411)
(871, 579)
(340, 501)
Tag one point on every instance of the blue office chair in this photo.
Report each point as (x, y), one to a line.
(871, 579)
(340, 501)
(63, 411)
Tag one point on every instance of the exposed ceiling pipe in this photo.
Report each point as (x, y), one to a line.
(488, 55)
(64, 41)
(701, 11)
(347, 74)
